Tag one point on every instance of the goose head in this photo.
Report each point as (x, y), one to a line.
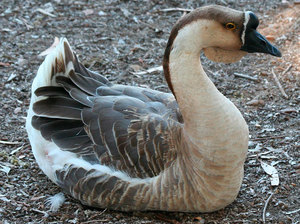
(221, 28)
(224, 34)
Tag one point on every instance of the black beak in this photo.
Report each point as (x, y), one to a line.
(255, 42)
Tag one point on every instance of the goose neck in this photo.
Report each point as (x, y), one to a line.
(211, 121)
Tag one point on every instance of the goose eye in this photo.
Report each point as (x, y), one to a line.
(230, 26)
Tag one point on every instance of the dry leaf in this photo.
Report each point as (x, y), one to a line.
(48, 51)
(198, 219)
(272, 172)
(270, 38)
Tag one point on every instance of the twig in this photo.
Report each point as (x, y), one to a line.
(45, 12)
(245, 76)
(279, 85)
(268, 137)
(286, 70)
(265, 207)
(150, 70)
(96, 215)
(95, 221)
(39, 211)
(16, 150)
(9, 143)
(176, 10)
(292, 212)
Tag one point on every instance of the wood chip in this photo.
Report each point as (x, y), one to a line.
(16, 150)
(256, 102)
(3, 198)
(35, 198)
(270, 38)
(4, 64)
(5, 169)
(88, 12)
(245, 76)
(11, 77)
(148, 71)
(45, 12)
(288, 110)
(9, 143)
(199, 219)
(272, 172)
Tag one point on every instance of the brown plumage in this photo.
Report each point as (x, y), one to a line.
(132, 148)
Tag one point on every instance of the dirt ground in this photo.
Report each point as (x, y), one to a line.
(117, 38)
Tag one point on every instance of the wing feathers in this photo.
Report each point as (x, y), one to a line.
(50, 128)
(79, 68)
(58, 107)
(120, 126)
(87, 84)
(51, 91)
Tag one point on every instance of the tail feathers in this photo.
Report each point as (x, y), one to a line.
(79, 68)
(57, 101)
(61, 68)
(63, 85)
(58, 63)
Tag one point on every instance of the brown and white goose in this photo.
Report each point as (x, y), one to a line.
(129, 148)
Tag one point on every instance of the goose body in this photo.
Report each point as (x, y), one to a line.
(130, 148)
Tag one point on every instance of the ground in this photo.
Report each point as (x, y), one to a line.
(117, 38)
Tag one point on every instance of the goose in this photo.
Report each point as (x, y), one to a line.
(130, 148)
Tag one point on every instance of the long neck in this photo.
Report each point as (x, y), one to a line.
(215, 135)
(211, 121)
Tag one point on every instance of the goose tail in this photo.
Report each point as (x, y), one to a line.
(58, 63)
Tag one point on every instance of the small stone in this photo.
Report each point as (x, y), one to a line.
(101, 13)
